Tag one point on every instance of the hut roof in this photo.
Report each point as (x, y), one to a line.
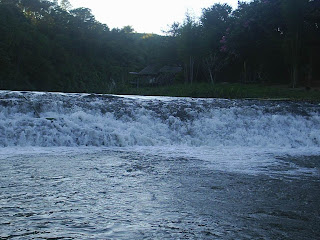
(149, 70)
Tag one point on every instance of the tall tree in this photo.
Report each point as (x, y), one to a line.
(188, 46)
(295, 12)
(255, 37)
(214, 21)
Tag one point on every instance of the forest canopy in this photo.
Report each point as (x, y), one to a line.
(51, 47)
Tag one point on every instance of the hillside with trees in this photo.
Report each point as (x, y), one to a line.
(51, 47)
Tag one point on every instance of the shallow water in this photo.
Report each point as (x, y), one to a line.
(86, 166)
(134, 194)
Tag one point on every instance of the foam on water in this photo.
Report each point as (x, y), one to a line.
(132, 167)
(57, 119)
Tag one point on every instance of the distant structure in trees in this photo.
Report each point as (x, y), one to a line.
(156, 75)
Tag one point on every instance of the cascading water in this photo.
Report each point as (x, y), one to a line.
(90, 166)
(53, 119)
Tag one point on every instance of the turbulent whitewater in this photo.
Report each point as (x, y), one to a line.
(90, 166)
(56, 119)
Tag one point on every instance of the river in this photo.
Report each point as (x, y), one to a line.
(90, 166)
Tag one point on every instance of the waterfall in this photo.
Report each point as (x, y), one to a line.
(60, 119)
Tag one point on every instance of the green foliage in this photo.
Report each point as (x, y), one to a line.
(214, 23)
(215, 20)
(127, 29)
(65, 4)
(52, 47)
(263, 41)
(44, 46)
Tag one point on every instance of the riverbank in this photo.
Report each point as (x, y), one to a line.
(228, 90)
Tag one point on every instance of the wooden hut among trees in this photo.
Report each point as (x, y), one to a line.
(155, 75)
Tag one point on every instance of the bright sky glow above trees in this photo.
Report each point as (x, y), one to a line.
(150, 16)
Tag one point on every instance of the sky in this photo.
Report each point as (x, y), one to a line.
(146, 16)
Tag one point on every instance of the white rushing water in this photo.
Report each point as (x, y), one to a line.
(89, 166)
(55, 119)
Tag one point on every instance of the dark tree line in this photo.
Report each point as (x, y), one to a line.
(47, 46)
(265, 41)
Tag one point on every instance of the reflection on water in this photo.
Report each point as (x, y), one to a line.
(126, 194)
